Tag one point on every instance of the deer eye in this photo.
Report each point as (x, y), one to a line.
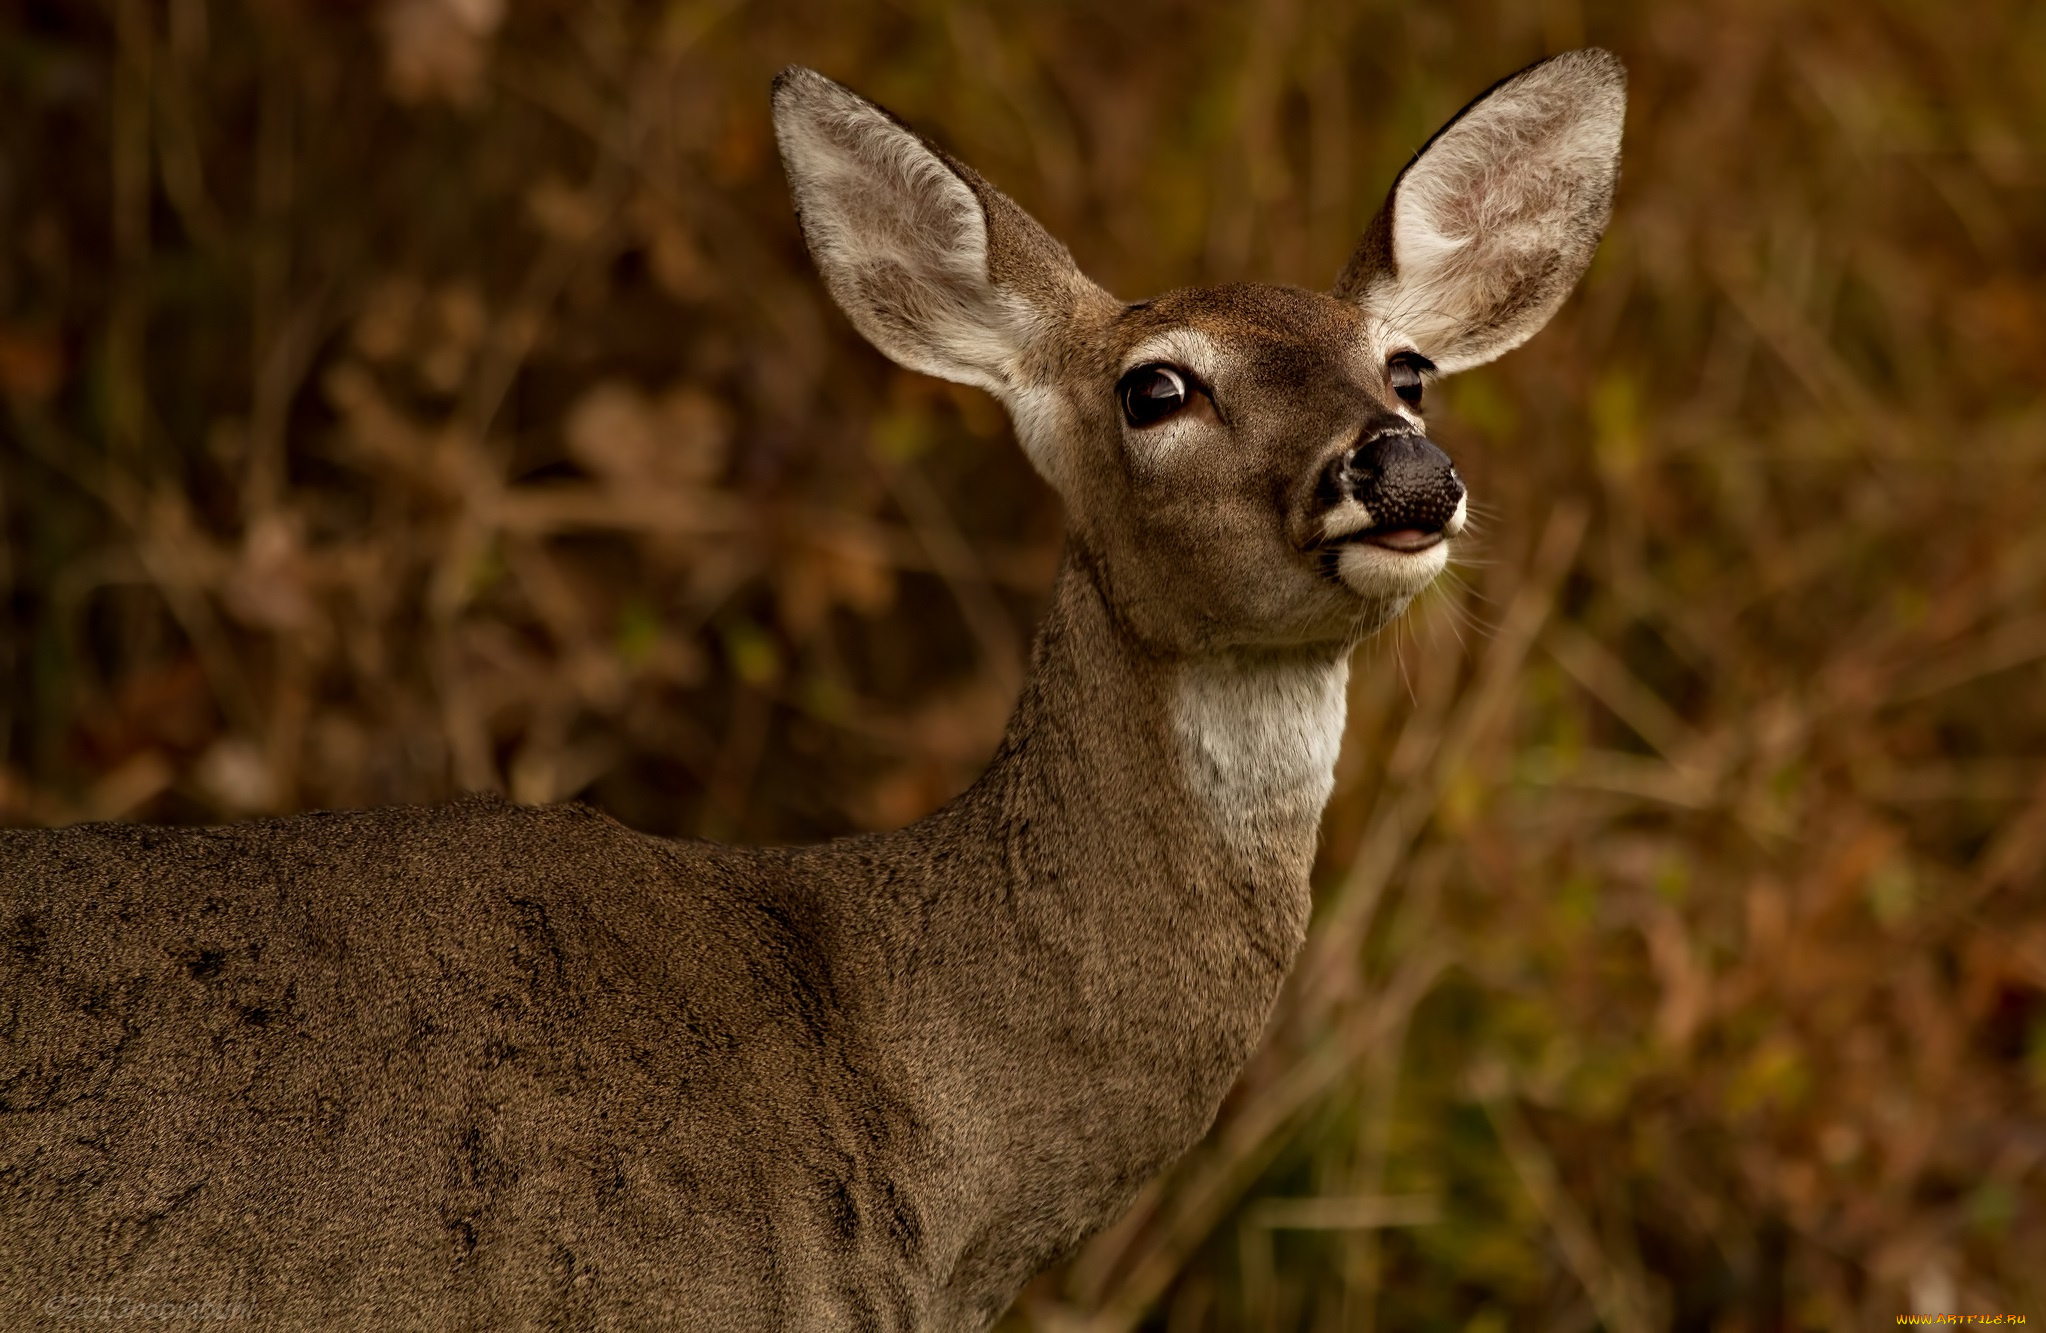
(1404, 372)
(1151, 393)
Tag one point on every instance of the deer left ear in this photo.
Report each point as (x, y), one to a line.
(1493, 222)
(940, 270)
(935, 266)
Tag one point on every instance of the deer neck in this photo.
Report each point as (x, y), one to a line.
(1163, 784)
(1176, 801)
(1140, 850)
(1228, 755)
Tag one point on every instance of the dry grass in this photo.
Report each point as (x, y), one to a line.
(407, 400)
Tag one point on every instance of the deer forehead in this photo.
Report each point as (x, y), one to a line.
(1244, 317)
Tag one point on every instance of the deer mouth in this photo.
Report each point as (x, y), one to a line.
(1395, 556)
(1407, 541)
(1397, 537)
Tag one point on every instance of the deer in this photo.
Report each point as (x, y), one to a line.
(489, 1065)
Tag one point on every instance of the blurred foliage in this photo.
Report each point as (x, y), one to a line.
(436, 395)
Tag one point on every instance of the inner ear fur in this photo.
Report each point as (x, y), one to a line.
(934, 266)
(1494, 220)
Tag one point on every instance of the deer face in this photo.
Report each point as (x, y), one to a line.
(1256, 473)
(1243, 466)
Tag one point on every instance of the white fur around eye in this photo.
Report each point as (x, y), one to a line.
(1190, 351)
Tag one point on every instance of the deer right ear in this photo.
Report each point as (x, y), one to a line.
(1493, 222)
(937, 268)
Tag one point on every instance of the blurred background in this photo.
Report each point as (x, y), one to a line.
(408, 398)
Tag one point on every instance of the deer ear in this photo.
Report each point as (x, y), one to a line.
(937, 268)
(1493, 222)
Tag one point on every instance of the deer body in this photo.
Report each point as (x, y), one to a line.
(467, 1039)
(491, 1065)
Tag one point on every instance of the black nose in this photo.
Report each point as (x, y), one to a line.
(1404, 481)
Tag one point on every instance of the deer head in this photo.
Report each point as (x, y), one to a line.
(1243, 466)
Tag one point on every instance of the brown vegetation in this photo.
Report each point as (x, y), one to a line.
(436, 396)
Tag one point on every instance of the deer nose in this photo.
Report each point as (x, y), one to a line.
(1404, 481)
